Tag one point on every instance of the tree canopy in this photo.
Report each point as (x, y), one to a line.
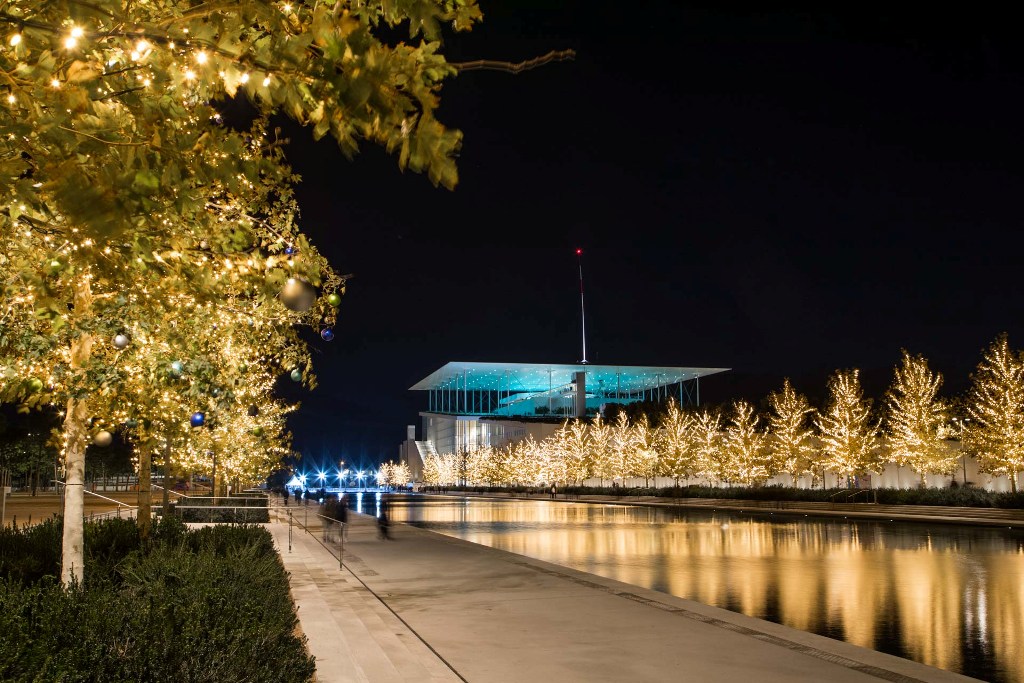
(154, 262)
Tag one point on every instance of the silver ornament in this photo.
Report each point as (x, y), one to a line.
(103, 439)
(298, 295)
(120, 341)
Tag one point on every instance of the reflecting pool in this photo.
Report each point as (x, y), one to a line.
(949, 596)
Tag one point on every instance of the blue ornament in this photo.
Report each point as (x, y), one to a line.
(327, 334)
(296, 375)
(197, 420)
(177, 368)
(289, 250)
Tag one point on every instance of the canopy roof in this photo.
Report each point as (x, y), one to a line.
(531, 377)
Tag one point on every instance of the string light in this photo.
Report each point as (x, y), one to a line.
(201, 57)
(15, 40)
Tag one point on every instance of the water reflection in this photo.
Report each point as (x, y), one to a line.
(948, 596)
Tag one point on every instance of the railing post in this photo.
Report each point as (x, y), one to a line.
(289, 531)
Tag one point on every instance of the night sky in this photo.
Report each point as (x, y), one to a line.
(780, 192)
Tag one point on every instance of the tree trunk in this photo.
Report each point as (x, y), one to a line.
(166, 502)
(1013, 482)
(73, 541)
(72, 568)
(145, 518)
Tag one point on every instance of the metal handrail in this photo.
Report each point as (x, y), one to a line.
(221, 507)
(344, 525)
(170, 491)
(93, 493)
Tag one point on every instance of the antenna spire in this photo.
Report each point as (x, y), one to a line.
(583, 310)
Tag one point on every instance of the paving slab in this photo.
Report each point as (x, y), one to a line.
(496, 616)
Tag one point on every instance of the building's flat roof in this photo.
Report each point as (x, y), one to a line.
(520, 377)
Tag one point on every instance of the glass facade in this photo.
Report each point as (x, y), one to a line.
(540, 390)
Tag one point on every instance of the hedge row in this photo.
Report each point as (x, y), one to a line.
(194, 606)
(958, 497)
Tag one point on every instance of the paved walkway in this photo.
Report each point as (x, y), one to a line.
(353, 636)
(496, 616)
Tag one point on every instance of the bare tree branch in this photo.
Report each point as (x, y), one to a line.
(516, 67)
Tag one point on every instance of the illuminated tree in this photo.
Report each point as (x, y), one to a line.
(600, 449)
(849, 437)
(575, 451)
(551, 456)
(622, 448)
(707, 443)
(441, 469)
(916, 420)
(401, 475)
(995, 432)
(481, 467)
(391, 474)
(744, 456)
(790, 438)
(116, 166)
(646, 459)
(675, 442)
(525, 461)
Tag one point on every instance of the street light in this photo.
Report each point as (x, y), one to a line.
(359, 478)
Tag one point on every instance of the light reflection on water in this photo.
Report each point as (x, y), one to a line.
(948, 596)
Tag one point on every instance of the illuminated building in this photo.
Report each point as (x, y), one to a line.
(470, 405)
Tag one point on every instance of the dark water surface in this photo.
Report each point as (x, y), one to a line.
(945, 595)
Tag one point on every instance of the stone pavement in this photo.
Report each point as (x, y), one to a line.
(496, 616)
(353, 636)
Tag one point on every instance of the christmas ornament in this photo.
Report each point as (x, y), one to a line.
(197, 420)
(298, 295)
(35, 385)
(215, 392)
(257, 431)
(334, 299)
(327, 334)
(131, 424)
(54, 266)
(203, 244)
(177, 368)
(243, 367)
(253, 410)
(120, 341)
(296, 375)
(289, 250)
(103, 439)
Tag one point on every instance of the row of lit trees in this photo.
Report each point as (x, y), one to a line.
(152, 268)
(914, 428)
(394, 474)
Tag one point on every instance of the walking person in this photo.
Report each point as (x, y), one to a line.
(284, 494)
(382, 524)
(343, 518)
(552, 492)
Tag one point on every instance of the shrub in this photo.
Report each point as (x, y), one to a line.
(195, 606)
